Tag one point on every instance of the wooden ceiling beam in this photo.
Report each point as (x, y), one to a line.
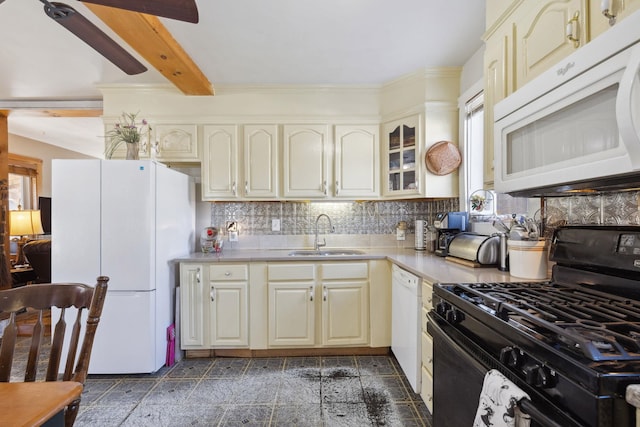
(151, 39)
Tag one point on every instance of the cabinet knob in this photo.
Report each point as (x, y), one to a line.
(227, 273)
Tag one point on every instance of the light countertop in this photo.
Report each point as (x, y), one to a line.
(424, 264)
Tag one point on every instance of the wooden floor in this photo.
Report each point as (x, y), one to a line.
(28, 319)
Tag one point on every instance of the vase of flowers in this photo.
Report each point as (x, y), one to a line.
(128, 131)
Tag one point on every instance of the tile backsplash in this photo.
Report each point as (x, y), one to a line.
(355, 223)
(616, 208)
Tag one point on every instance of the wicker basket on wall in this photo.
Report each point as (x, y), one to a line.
(442, 158)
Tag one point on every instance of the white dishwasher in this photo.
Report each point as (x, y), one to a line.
(405, 323)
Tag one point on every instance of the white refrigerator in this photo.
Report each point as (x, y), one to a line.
(125, 219)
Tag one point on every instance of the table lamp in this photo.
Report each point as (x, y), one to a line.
(24, 223)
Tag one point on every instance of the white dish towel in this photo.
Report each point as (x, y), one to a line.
(498, 405)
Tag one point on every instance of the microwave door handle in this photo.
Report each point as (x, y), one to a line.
(628, 107)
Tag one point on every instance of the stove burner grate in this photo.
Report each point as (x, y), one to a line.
(578, 320)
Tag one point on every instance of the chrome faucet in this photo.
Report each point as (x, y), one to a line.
(316, 244)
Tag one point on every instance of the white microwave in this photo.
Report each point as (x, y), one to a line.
(576, 126)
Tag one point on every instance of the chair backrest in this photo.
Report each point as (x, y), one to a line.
(38, 253)
(68, 297)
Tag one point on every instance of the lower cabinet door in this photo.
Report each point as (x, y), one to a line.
(191, 307)
(291, 314)
(229, 315)
(345, 319)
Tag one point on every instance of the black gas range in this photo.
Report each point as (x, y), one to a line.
(572, 343)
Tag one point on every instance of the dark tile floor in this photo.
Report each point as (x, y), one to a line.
(283, 391)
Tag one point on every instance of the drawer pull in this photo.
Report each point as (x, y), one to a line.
(212, 294)
(573, 30)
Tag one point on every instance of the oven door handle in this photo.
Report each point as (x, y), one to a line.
(529, 408)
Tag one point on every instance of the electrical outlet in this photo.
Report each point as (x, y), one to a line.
(275, 225)
(233, 236)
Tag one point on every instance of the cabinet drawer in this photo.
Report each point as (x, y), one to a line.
(427, 295)
(345, 270)
(427, 390)
(427, 352)
(228, 272)
(291, 272)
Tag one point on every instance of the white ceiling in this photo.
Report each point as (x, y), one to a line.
(332, 42)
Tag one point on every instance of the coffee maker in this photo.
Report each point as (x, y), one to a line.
(448, 224)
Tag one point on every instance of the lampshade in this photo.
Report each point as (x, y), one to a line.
(22, 223)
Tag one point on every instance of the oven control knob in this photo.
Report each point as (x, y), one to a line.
(511, 356)
(454, 316)
(540, 376)
(442, 307)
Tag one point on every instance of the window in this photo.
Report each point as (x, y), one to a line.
(473, 134)
(23, 182)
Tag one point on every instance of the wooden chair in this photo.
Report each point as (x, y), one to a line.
(72, 299)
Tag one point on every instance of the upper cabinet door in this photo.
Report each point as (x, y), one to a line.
(220, 162)
(357, 161)
(306, 149)
(498, 83)
(546, 34)
(260, 161)
(176, 142)
(401, 158)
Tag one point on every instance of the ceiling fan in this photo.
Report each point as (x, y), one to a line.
(72, 20)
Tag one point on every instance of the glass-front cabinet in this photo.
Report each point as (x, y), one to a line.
(402, 156)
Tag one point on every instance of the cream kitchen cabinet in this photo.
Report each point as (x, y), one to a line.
(406, 142)
(214, 306)
(526, 40)
(357, 161)
(401, 157)
(231, 171)
(292, 301)
(547, 33)
(426, 391)
(345, 303)
(616, 10)
(306, 161)
(191, 306)
(228, 305)
(220, 162)
(498, 83)
(260, 145)
(318, 304)
(176, 143)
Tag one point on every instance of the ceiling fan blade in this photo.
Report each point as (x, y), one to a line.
(94, 37)
(182, 10)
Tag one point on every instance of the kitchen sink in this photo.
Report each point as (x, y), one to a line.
(327, 252)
